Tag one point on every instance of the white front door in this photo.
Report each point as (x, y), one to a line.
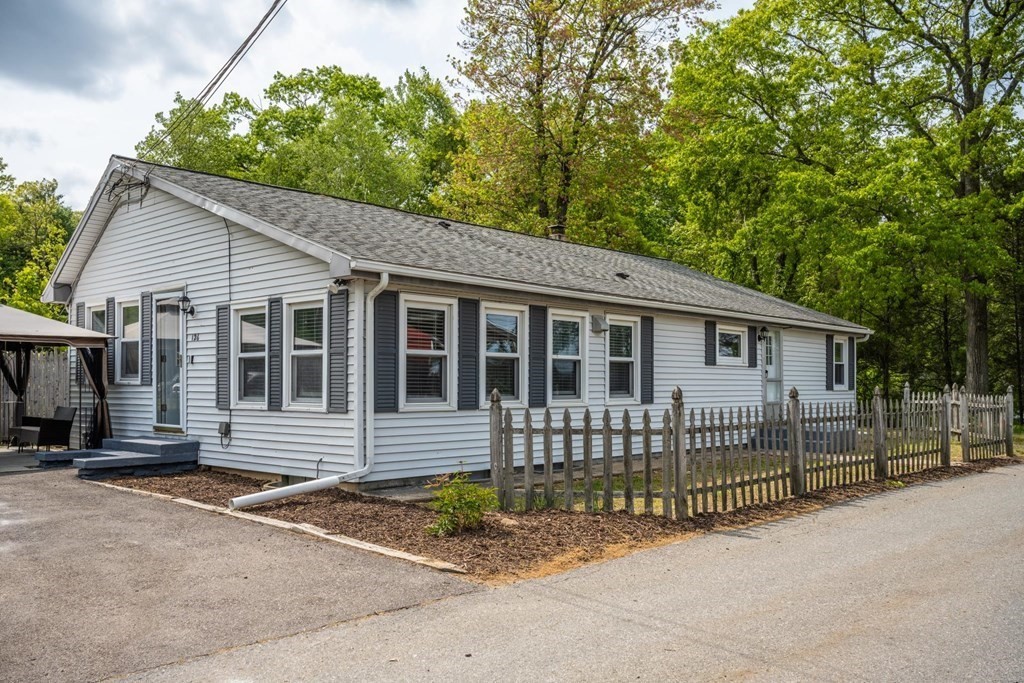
(773, 391)
(168, 362)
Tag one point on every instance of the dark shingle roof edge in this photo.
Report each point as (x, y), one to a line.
(388, 237)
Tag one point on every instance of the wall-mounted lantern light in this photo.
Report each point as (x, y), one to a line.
(762, 334)
(185, 305)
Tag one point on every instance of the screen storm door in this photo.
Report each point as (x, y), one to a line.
(168, 361)
(773, 390)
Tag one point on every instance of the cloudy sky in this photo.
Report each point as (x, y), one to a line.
(81, 79)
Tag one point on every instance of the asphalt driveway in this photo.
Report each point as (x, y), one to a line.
(96, 582)
(922, 584)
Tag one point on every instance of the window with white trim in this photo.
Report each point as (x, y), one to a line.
(426, 341)
(305, 350)
(732, 345)
(129, 327)
(251, 355)
(503, 351)
(839, 365)
(623, 364)
(567, 346)
(96, 318)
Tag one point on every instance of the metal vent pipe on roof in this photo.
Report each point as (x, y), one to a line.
(556, 232)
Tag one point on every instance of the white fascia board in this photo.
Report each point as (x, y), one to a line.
(410, 271)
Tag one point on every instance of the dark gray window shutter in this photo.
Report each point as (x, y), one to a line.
(111, 343)
(646, 359)
(852, 345)
(223, 344)
(830, 371)
(469, 354)
(337, 349)
(80, 322)
(710, 342)
(385, 353)
(146, 338)
(752, 346)
(275, 353)
(538, 371)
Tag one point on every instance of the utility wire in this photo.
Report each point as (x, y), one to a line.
(197, 103)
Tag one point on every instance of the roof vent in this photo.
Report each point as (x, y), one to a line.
(556, 232)
(622, 276)
(444, 224)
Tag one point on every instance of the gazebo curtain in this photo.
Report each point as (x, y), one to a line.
(94, 365)
(17, 377)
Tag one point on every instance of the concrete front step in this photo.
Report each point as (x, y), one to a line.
(152, 445)
(48, 459)
(109, 458)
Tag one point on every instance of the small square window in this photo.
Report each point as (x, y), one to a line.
(730, 346)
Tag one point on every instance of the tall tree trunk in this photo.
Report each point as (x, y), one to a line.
(976, 309)
(564, 186)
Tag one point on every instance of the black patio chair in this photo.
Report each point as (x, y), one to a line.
(47, 431)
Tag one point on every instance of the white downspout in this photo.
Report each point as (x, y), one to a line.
(367, 458)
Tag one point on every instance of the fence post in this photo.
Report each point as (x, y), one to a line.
(965, 426)
(946, 427)
(881, 457)
(905, 411)
(496, 441)
(798, 483)
(679, 455)
(509, 465)
(1008, 416)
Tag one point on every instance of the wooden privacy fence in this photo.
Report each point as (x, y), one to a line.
(679, 463)
(48, 388)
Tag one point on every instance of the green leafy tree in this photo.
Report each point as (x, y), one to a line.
(324, 131)
(35, 224)
(570, 89)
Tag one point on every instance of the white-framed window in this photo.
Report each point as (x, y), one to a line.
(567, 345)
(623, 357)
(304, 348)
(428, 341)
(129, 327)
(250, 351)
(96, 318)
(504, 350)
(732, 345)
(839, 365)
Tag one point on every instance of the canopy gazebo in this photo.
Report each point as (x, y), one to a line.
(21, 332)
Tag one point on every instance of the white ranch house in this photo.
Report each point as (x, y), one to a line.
(323, 337)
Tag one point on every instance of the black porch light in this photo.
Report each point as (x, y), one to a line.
(762, 334)
(185, 305)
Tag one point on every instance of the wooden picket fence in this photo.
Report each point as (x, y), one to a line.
(48, 388)
(680, 463)
(983, 424)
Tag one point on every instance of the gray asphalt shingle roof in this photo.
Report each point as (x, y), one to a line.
(368, 232)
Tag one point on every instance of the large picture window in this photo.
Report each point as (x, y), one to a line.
(306, 354)
(839, 365)
(503, 352)
(731, 345)
(251, 354)
(622, 360)
(129, 328)
(427, 352)
(567, 357)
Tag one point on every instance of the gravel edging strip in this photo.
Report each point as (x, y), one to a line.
(307, 529)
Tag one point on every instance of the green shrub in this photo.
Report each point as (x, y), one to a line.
(459, 503)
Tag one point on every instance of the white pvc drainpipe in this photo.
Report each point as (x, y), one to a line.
(330, 482)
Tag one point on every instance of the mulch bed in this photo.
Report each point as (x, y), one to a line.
(512, 546)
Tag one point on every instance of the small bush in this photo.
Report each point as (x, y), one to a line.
(459, 503)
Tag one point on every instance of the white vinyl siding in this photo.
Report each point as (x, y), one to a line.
(803, 367)
(166, 243)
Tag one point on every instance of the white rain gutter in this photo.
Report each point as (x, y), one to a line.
(331, 482)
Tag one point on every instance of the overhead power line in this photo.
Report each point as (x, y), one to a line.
(198, 103)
